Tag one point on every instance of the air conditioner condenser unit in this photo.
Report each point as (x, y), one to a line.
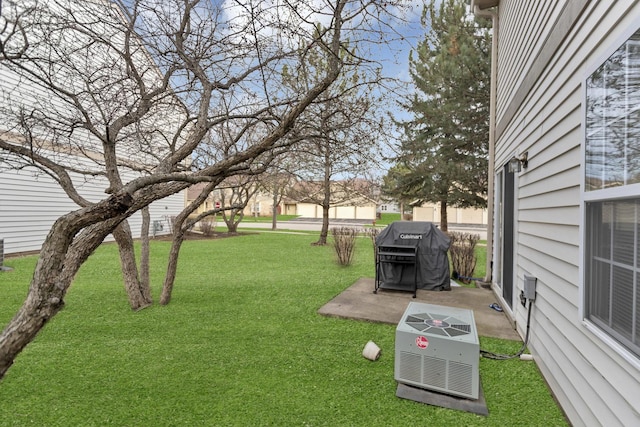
(437, 348)
(2, 266)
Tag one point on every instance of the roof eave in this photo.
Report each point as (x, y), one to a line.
(484, 4)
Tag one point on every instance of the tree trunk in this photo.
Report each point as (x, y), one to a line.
(324, 231)
(231, 221)
(145, 249)
(172, 266)
(444, 222)
(274, 211)
(69, 243)
(181, 225)
(326, 201)
(139, 296)
(179, 230)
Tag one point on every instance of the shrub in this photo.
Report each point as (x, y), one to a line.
(344, 242)
(373, 235)
(206, 226)
(463, 255)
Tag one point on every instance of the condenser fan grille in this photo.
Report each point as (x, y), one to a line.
(438, 324)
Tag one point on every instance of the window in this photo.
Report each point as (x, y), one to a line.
(612, 195)
(613, 120)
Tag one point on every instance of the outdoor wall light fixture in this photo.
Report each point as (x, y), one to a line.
(516, 164)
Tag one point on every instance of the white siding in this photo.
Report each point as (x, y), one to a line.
(519, 22)
(594, 383)
(31, 202)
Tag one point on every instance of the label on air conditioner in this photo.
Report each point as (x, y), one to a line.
(422, 342)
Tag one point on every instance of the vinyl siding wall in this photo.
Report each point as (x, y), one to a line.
(31, 202)
(541, 112)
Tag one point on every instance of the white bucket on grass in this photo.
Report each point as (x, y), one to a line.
(371, 351)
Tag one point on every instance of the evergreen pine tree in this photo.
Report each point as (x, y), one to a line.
(443, 153)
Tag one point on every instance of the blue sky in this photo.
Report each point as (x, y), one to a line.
(394, 56)
(397, 56)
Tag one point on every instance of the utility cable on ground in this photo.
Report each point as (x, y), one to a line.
(490, 355)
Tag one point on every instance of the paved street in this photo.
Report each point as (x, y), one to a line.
(313, 224)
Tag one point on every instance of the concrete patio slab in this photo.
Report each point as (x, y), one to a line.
(433, 398)
(359, 302)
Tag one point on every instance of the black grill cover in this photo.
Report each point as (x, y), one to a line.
(432, 261)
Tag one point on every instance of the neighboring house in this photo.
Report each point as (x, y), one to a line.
(351, 211)
(349, 200)
(301, 199)
(567, 107)
(463, 216)
(388, 207)
(261, 204)
(209, 204)
(258, 202)
(30, 200)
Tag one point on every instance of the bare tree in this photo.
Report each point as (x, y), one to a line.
(277, 182)
(136, 96)
(341, 133)
(184, 222)
(116, 106)
(181, 225)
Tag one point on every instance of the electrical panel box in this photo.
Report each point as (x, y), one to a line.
(529, 287)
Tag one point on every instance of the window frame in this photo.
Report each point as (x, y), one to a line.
(617, 193)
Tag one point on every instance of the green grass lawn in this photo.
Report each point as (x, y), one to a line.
(241, 344)
(481, 259)
(249, 218)
(387, 218)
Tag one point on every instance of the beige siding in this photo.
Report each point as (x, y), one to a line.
(471, 216)
(425, 213)
(344, 212)
(366, 212)
(290, 209)
(306, 210)
(594, 383)
(467, 216)
(259, 205)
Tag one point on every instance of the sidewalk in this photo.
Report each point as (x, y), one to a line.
(315, 224)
